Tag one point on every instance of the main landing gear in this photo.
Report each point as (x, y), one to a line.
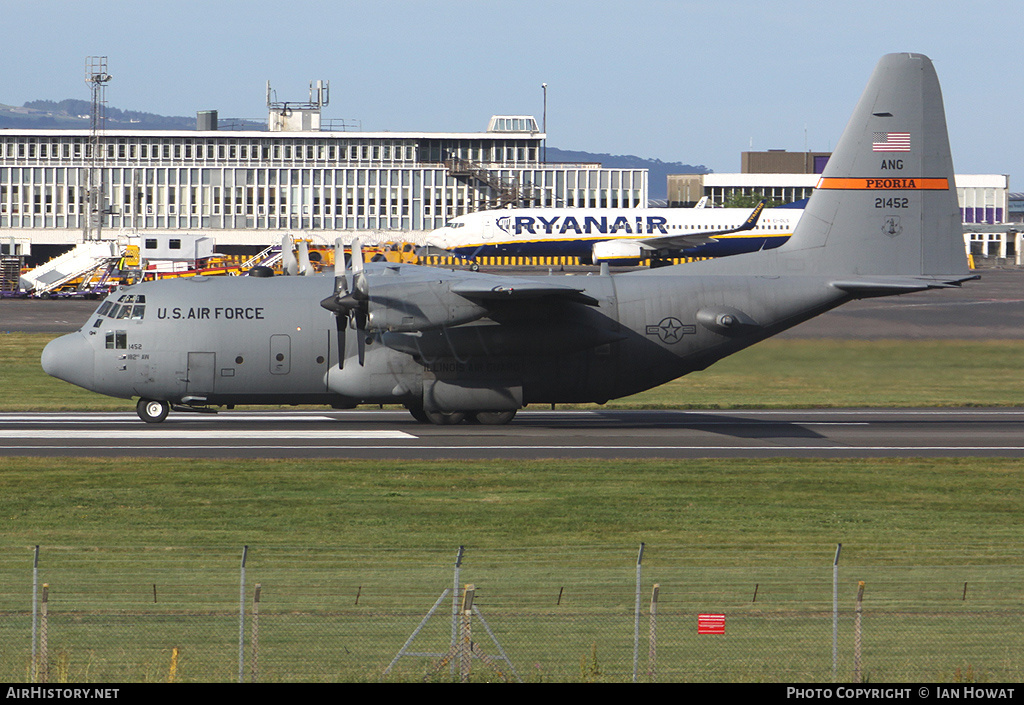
(450, 418)
(151, 410)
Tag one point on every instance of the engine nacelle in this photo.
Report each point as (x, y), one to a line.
(441, 395)
(383, 376)
(619, 252)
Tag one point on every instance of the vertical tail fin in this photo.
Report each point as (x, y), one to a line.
(886, 203)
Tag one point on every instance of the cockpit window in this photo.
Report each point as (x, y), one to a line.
(117, 340)
(127, 306)
(454, 224)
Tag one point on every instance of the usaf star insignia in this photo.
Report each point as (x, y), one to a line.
(671, 330)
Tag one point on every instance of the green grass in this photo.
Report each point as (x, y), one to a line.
(144, 555)
(779, 373)
(875, 506)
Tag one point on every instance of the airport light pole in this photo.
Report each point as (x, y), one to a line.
(544, 124)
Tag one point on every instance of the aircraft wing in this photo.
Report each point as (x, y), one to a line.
(678, 242)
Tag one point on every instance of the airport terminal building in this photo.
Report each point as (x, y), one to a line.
(244, 188)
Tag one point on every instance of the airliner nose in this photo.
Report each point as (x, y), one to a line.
(70, 358)
(437, 238)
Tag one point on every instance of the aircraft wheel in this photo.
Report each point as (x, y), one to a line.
(151, 410)
(418, 413)
(445, 418)
(491, 418)
(474, 267)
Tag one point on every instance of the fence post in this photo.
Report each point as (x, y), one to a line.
(241, 619)
(43, 669)
(636, 613)
(857, 632)
(835, 614)
(652, 655)
(35, 609)
(455, 600)
(466, 645)
(254, 666)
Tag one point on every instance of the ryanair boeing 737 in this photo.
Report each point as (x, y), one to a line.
(616, 235)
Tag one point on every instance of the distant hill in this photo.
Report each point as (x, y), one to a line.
(72, 114)
(658, 171)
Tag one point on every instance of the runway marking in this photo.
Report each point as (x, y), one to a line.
(194, 434)
(631, 448)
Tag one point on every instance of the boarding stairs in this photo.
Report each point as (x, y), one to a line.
(509, 191)
(10, 275)
(80, 262)
(267, 258)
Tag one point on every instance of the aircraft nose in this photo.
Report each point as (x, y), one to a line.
(70, 358)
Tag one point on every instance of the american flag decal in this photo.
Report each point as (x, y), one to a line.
(891, 142)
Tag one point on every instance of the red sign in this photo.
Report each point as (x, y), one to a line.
(711, 624)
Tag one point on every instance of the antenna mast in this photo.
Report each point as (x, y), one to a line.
(97, 77)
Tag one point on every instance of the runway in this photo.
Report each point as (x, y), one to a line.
(845, 433)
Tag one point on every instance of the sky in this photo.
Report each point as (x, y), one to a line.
(682, 81)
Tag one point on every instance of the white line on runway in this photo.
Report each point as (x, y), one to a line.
(194, 434)
(448, 449)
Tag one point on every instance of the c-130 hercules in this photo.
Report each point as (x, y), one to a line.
(456, 345)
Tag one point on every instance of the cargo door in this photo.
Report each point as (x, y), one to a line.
(200, 377)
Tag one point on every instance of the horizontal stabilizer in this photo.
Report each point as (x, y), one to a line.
(891, 286)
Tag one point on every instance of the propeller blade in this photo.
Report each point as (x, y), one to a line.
(341, 321)
(289, 265)
(340, 269)
(305, 267)
(357, 256)
(360, 298)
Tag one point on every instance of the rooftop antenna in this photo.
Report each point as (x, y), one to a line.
(294, 115)
(97, 77)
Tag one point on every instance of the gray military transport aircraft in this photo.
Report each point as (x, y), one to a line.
(456, 345)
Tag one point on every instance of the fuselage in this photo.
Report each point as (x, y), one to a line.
(249, 340)
(573, 232)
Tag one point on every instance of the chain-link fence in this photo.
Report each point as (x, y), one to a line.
(539, 615)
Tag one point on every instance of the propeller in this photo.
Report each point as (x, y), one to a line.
(350, 299)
